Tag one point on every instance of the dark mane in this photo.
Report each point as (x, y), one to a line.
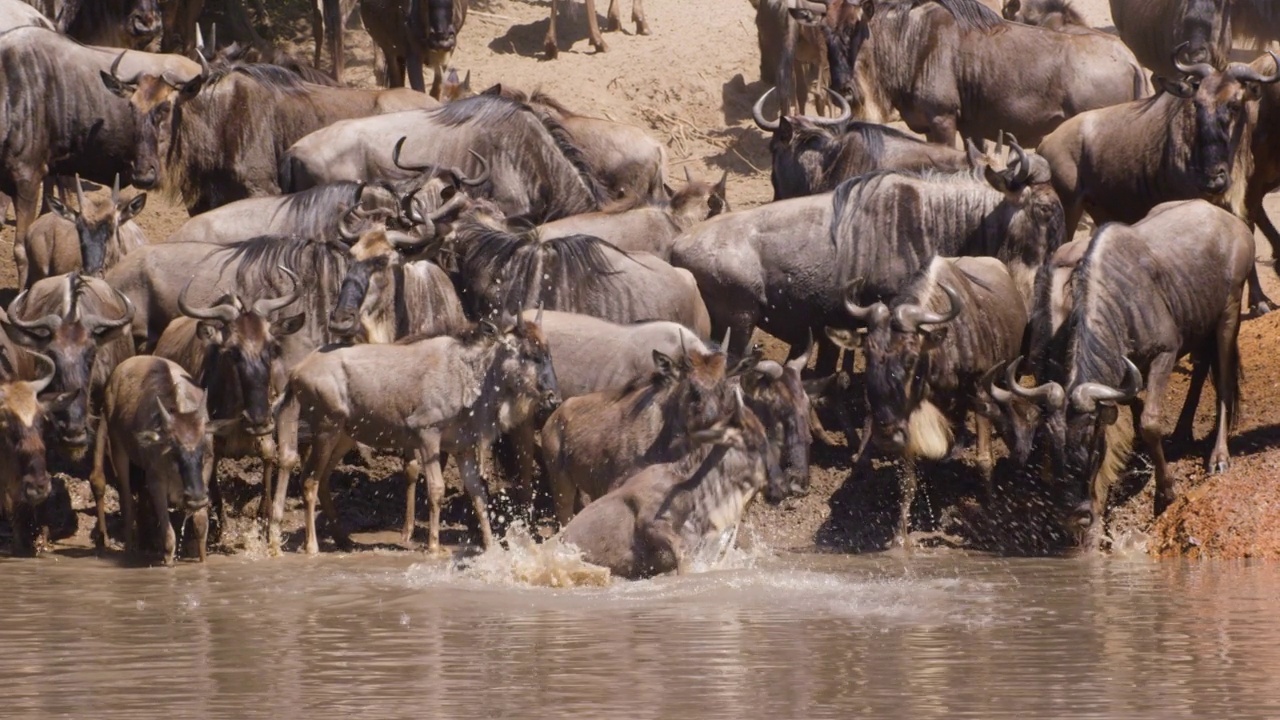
(972, 15)
(1070, 15)
(273, 77)
(320, 267)
(1095, 348)
(470, 335)
(236, 55)
(315, 211)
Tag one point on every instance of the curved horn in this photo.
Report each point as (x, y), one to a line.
(1200, 70)
(1051, 393)
(115, 192)
(222, 313)
(39, 384)
(728, 332)
(990, 380)
(846, 112)
(1245, 73)
(264, 307)
(79, 193)
(1024, 167)
(1086, 396)
(801, 361)
(345, 232)
(478, 180)
(97, 322)
(49, 322)
(443, 211)
(115, 66)
(757, 112)
(395, 158)
(868, 314)
(537, 319)
(909, 317)
(405, 241)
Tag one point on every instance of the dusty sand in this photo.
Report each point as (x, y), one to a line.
(691, 83)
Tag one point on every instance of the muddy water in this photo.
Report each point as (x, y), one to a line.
(937, 635)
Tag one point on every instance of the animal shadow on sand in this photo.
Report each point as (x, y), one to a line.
(527, 39)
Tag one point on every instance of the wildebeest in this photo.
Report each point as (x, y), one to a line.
(80, 323)
(1057, 15)
(593, 25)
(219, 137)
(15, 13)
(133, 24)
(1162, 32)
(24, 478)
(411, 33)
(154, 418)
(953, 66)
(90, 238)
(178, 19)
(592, 443)
(926, 351)
(1191, 141)
(793, 56)
(814, 155)
(504, 271)
(783, 266)
(328, 19)
(1145, 295)
(453, 393)
(535, 170)
(385, 296)
(59, 120)
(1046, 328)
(659, 517)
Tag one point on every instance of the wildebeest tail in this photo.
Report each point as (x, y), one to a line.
(293, 174)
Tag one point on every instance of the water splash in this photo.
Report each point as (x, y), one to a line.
(524, 561)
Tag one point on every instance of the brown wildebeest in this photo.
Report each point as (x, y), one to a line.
(453, 393)
(660, 518)
(328, 20)
(412, 33)
(132, 24)
(1194, 140)
(90, 238)
(593, 25)
(793, 56)
(154, 418)
(24, 478)
(953, 66)
(80, 323)
(1145, 295)
(220, 136)
(926, 351)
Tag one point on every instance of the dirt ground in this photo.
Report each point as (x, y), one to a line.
(691, 83)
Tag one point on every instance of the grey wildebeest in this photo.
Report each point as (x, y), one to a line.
(81, 324)
(411, 33)
(793, 55)
(59, 120)
(1144, 296)
(534, 169)
(133, 24)
(953, 66)
(502, 271)
(593, 25)
(783, 266)
(24, 478)
(1192, 31)
(233, 353)
(926, 350)
(814, 155)
(453, 393)
(658, 520)
(219, 137)
(154, 418)
(90, 238)
(1191, 141)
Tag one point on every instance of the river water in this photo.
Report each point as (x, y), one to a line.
(940, 634)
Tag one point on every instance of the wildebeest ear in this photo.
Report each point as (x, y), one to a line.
(719, 200)
(934, 336)
(1178, 88)
(489, 329)
(1107, 413)
(976, 156)
(494, 89)
(996, 180)
(665, 364)
(209, 331)
(148, 438)
(845, 338)
(192, 86)
(289, 325)
(748, 363)
(785, 130)
(130, 208)
(61, 210)
(118, 87)
(868, 9)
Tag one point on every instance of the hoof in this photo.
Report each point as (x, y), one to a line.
(642, 28)
(437, 551)
(600, 46)
(552, 50)
(1218, 466)
(1261, 309)
(613, 25)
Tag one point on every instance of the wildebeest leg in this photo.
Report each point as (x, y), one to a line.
(25, 206)
(593, 28)
(1226, 366)
(163, 527)
(322, 448)
(200, 523)
(907, 482)
(525, 436)
(1258, 300)
(334, 27)
(340, 536)
(120, 466)
(665, 551)
(614, 17)
(21, 519)
(1152, 432)
(1183, 431)
(1253, 206)
(549, 43)
(5, 202)
(473, 481)
(98, 483)
(287, 460)
(637, 17)
(431, 461)
(413, 67)
(317, 30)
(412, 472)
(986, 462)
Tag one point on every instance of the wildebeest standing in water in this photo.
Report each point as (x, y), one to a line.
(219, 137)
(24, 478)
(1192, 141)
(450, 394)
(59, 120)
(926, 350)
(154, 418)
(953, 66)
(1145, 295)
(593, 25)
(661, 516)
(82, 324)
(90, 238)
(411, 33)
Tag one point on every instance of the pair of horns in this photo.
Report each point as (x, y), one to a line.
(757, 112)
(1084, 398)
(226, 312)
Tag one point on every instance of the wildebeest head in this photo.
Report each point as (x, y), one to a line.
(698, 200)
(184, 437)
(1051, 14)
(155, 101)
(243, 351)
(144, 22)
(899, 345)
(98, 224)
(440, 194)
(844, 26)
(1223, 105)
(1203, 32)
(1016, 418)
(455, 89)
(696, 395)
(22, 423)
(431, 23)
(802, 147)
(368, 289)
(1033, 218)
(71, 338)
(742, 430)
(524, 359)
(776, 394)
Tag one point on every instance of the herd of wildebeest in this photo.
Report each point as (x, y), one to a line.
(424, 274)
